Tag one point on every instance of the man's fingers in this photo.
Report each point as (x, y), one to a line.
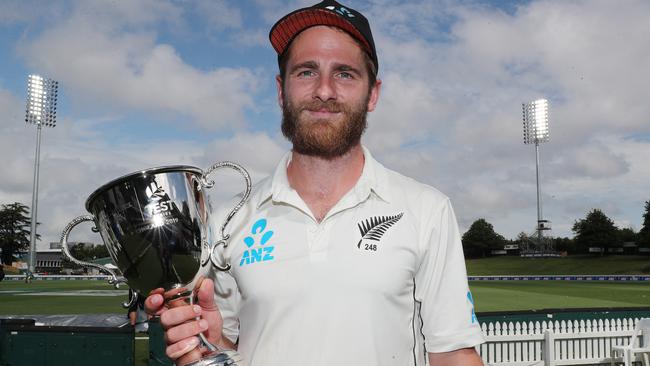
(177, 350)
(179, 315)
(153, 304)
(182, 322)
(192, 356)
(185, 330)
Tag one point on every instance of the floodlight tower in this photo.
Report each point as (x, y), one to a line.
(41, 111)
(536, 132)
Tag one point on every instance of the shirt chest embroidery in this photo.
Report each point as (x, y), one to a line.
(372, 229)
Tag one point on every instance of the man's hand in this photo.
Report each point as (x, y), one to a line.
(460, 357)
(179, 320)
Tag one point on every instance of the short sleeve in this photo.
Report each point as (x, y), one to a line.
(446, 304)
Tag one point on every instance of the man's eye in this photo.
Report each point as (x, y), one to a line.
(305, 73)
(345, 75)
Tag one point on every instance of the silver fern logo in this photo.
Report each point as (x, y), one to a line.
(372, 229)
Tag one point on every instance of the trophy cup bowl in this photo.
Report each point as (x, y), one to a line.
(155, 224)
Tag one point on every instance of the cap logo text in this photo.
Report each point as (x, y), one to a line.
(342, 11)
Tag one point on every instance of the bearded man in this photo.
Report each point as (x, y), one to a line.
(336, 260)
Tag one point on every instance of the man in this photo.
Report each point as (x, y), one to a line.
(336, 260)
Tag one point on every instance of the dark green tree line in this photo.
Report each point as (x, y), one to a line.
(596, 230)
(87, 252)
(15, 229)
(480, 239)
(643, 237)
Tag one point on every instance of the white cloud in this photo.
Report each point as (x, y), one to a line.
(272, 10)
(593, 161)
(450, 113)
(18, 11)
(258, 152)
(114, 16)
(16, 141)
(107, 66)
(75, 163)
(219, 14)
(590, 55)
(255, 38)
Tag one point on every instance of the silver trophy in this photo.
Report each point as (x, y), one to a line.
(155, 224)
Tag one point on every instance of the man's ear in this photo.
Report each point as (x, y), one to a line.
(374, 95)
(278, 86)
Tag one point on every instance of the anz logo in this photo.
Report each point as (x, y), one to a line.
(258, 247)
(471, 301)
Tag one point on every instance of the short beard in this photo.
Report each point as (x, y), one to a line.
(322, 138)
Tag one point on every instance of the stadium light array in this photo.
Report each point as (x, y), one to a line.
(41, 111)
(536, 131)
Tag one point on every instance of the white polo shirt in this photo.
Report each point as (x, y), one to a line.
(379, 282)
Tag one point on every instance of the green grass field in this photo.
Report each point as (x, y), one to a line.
(85, 297)
(584, 265)
(54, 297)
(60, 297)
(536, 295)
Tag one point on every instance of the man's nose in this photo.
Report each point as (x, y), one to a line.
(325, 89)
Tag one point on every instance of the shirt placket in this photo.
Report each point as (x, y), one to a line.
(318, 236)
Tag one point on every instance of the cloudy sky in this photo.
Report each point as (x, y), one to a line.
(147, 83)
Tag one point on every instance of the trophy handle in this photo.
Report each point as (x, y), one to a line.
(66, 251)
(209, 184)
(132, 299)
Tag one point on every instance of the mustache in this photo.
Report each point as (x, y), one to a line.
(330, 106)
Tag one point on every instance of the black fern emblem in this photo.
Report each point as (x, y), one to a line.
(375, 227)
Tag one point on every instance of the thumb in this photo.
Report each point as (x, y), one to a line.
(210, 311)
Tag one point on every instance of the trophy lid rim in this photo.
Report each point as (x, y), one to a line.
(148, 171)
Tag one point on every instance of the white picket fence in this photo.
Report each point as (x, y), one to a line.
(551, 343)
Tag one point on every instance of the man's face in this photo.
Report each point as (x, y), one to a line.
(325, 95)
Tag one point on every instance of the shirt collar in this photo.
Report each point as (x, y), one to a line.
(373, 180)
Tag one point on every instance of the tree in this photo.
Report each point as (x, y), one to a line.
(480, 239)
(88, 252)
(523, 241)
(85, 252)
(596, 230)
(564, 245)
(643, 237)
(626, 235)
(15, 229)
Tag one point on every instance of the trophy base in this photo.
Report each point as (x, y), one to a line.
(219, 358)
